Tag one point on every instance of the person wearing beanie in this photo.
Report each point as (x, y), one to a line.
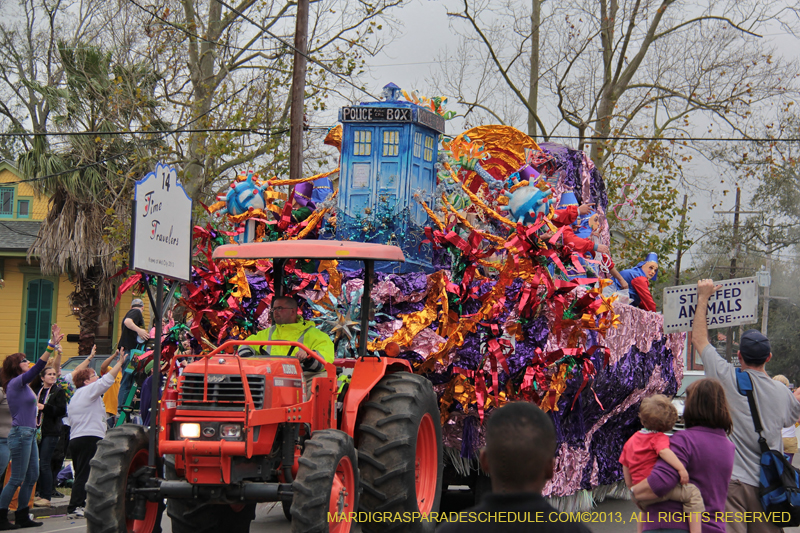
(638, 279)
(777, 406)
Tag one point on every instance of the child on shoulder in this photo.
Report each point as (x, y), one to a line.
(643, 449)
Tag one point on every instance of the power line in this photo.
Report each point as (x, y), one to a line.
(146, 132)
(285, 43)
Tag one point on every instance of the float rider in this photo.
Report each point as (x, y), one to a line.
(288, 326)
(638, 279)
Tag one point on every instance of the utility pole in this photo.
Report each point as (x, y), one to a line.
(765, 313)
(297, 113)
(680, 243)
(735, 253)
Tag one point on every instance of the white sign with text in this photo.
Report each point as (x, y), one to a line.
(734, 304)
(162, 225)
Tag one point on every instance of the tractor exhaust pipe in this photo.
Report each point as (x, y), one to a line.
(290, 432)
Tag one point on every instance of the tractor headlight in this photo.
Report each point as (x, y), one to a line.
(230, 431)
(190, 431)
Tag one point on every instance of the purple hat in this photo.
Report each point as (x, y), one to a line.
(302, 194)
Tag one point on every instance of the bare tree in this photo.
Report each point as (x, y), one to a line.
(30, 70)
(227, 65)
(623, 77)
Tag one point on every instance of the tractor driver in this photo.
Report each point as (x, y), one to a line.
(288, 326)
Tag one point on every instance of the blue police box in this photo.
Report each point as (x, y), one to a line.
(389, 152)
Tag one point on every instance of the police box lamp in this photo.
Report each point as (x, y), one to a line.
(763, 277)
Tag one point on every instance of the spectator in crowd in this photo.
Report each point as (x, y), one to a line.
(703, 447)
(645, 447)
(5, 428)
(788, 433)
(52, 405)
(780, 408)
(111, 397)
(65, 382)
(133, 337)
(519, 457)
(15, 377)
(87, 422)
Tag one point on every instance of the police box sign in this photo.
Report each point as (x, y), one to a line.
(734, 304)
(162, 225)
(392, 114)
(376, 114)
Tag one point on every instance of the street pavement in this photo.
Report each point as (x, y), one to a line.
(270, 519)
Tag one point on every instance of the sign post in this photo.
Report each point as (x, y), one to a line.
(161, 229)
(734, 304)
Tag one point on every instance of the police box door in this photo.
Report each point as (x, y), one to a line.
(361, 175)
(391, 156)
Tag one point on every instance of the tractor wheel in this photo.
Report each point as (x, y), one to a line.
(191, 516)
(326, 483)
(400, 451)
(123, 451)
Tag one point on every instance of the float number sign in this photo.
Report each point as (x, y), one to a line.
(734, 304)
(162, 225)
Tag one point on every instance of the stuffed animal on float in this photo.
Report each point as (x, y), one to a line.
(526, 203)
(587, 224)
(242, 197)
(638, 279)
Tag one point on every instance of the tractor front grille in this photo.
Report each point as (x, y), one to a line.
(225, 391)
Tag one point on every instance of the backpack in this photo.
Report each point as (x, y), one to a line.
(778, 481)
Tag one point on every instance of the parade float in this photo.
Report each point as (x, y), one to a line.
(498, 299)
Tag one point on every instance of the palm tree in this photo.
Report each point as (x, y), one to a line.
(89, 178)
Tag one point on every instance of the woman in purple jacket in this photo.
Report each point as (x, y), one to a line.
(703, 447)
(15, 377)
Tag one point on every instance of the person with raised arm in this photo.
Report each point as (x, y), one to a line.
(15, 377)
(777, 405)
(87, 423)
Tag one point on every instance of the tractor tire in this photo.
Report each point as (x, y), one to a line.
(121, 453)
(327, 482)
(191, 516)
(400, 455)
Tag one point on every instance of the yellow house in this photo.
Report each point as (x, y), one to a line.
(29, 301)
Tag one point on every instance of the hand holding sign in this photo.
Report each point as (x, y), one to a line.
(706, 287)
(730, 303)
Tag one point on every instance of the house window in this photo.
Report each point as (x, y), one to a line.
(428, 148)
(362, 142)
(6, 201)
(23, 208)
(391, 142)
(417, 144)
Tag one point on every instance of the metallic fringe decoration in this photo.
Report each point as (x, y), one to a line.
(577, 502)
(617, 491)
(463, 466)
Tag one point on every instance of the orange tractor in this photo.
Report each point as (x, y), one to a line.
(233, 431)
